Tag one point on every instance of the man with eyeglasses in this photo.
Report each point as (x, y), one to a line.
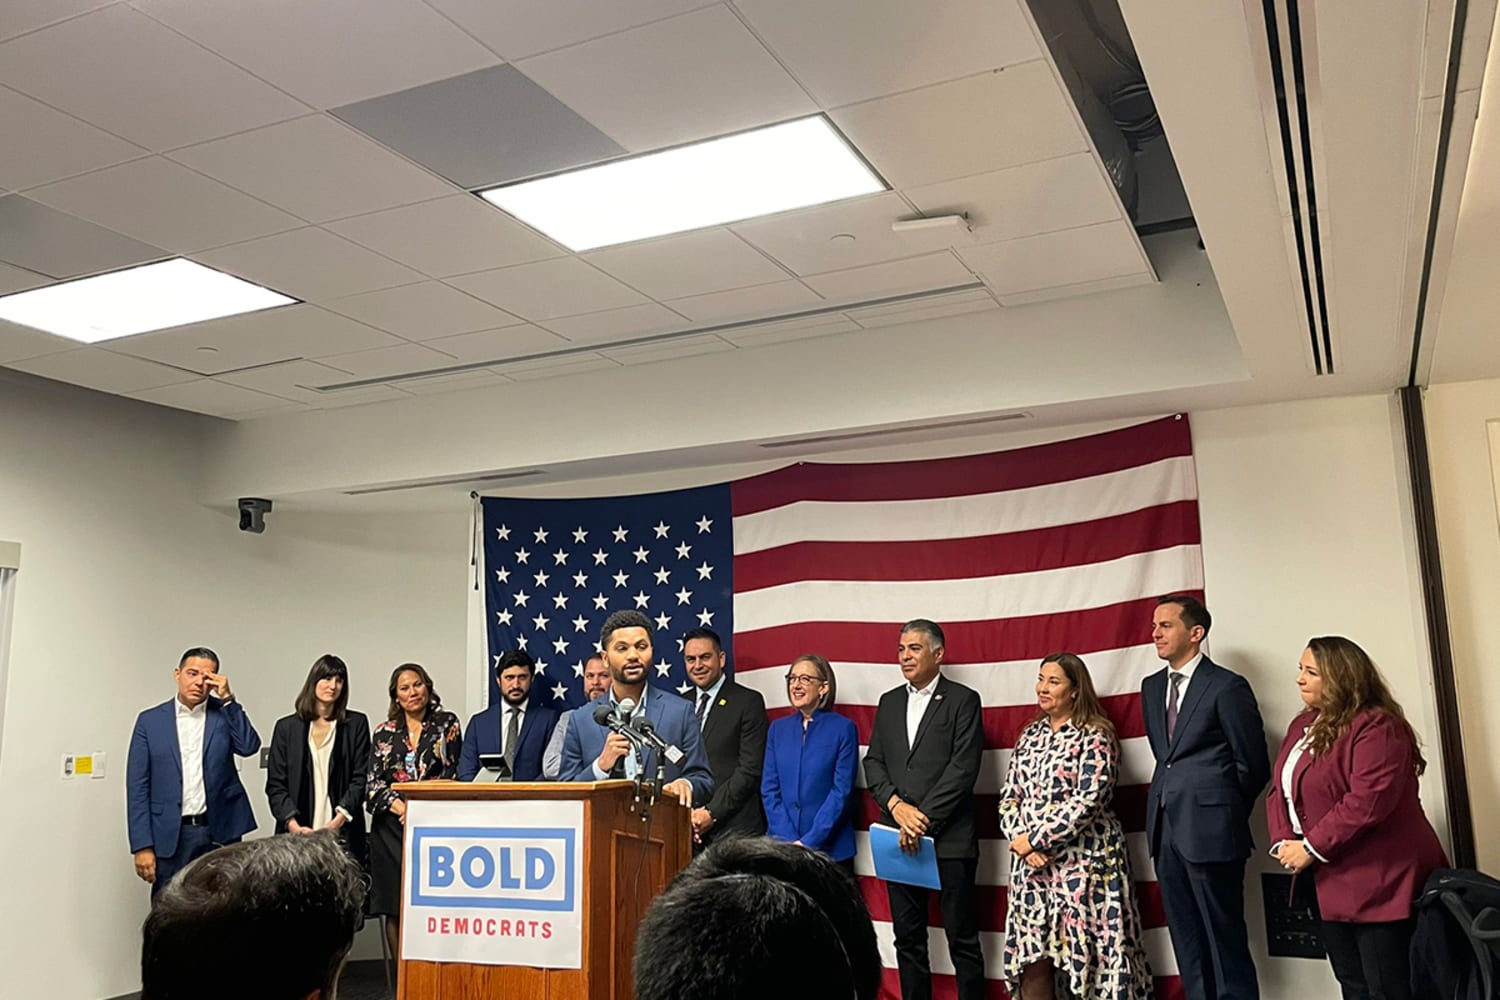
(921, 766)
(733, 722)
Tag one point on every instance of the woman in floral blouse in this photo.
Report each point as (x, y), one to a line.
(1071, 913)
(418, 741)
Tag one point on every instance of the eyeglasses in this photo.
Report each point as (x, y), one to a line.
(808, 679)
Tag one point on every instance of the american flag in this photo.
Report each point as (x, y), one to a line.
(1018, 554)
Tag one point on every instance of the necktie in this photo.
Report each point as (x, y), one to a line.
(512, 737)
(1176, 679)
(702, 707)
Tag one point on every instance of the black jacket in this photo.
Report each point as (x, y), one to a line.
(289, 780)
(1455, 951)
(734, 736)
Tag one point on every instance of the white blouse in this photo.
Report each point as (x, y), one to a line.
(321, 757)
(1288, 770)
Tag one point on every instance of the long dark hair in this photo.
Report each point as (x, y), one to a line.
(1088, 712)
(434, 702)
(1351, 684)
(324, 667)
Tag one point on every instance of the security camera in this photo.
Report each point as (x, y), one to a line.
(253, 513)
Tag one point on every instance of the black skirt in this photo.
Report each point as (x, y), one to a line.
(385, 865)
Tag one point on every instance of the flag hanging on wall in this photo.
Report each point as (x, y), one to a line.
(1017, 554)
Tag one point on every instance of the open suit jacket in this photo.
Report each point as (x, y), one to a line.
(734, 736)
(1210, 772)
(936, 773)
(486, 731)
(674, 721)
(153, 776)
(289, 778)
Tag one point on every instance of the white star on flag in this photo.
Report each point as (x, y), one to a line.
(541, 666)
(684, 595)
(642, 599)
(600, 602)
(541, 578)
(661, 574)
(522, 555)
(662, 528)
(559, 558)
(683, 550)
(705, 572)
(540, 535)
(497, 660)
(579, 535)
(641, 554)
(504, 617)
(663, 622)
(504, 532)
(503, 575)
(621, 579)
(705, 618)
(520, 642)
(580, 624)
(521, 598)
(620, 533)
(662, 669)
(580, 579)
(560, 645)
(704, 524)
(559, 692)
(599, 557)
(684, 687)
(561, 601)
(578, 669)
(540, 621)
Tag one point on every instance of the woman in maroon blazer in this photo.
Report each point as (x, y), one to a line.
(1344, 804)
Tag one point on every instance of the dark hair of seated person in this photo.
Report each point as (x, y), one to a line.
(269, 919)
(754, 918)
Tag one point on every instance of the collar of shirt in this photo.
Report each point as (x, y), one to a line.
(506, 706)
(924, 691)
(713, 692)
(640, 706)
(198, 711)
(1186, 671)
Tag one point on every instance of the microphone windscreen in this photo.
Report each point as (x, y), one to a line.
(627, 708)
(602, 713)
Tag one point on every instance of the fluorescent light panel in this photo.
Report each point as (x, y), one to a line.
(774, 169)
(150, 297)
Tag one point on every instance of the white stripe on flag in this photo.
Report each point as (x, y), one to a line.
(1158, 950)
(1054, 504)
(1014, 595)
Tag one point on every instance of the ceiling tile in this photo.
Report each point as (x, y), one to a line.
(456, 235)
(299, 380)
(262, 338)
(18, 343)
(483, 378)
(852, 50)
(805, 240)
(689, 77)
(712, 260)
(527, 371)
(1026, 200)
(216, 399)
(330, 52)
(494, 345)
(311, 264)
(518, 28)
(482, 128)
(617, 324)
(399, 360)
(165, 204)
(59, 245)
(915, 274)
(56, 146)
(97, 368)
(1081, 288)
(423, 312)
(743, 303)
(18, 279)
(641, 354)
(969, 126)
(550, 288)
(358, 397)
(316, 167)
(142, 81)
(777, 333)
(20, 16)
(1109, 250)
(939, 307)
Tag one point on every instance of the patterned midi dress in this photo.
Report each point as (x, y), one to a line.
(1078, 911)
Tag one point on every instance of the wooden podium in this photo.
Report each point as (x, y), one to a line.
(612, 845)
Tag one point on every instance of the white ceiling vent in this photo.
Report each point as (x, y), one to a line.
(893, 432)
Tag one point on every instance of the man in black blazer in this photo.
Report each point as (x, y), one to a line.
(733, 722)
(923, 761)
(1211, 765)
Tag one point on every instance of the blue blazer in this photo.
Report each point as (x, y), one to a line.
(1210, 773)
(674, 721)
(153, 776)
(484, 734)
(806, 784)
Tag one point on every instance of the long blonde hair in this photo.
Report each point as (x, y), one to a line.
(1351, 684)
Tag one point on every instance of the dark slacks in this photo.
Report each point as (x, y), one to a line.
(192, 842)
(1205, 906)
(1370, 961)
(958, 900)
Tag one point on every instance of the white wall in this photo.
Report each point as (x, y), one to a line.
(1462, 424)
(123, 570)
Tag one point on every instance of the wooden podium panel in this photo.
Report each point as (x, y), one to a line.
(623, 870)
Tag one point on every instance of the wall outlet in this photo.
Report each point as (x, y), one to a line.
(99, 761)
(67, 766)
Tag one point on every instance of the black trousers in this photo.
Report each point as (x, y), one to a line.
(958, 899)
(1370, 961)
(1205, 906)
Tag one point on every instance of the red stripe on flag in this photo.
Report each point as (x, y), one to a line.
(986, 813)
(1055, 462)
(991, 904)
(1080, 544)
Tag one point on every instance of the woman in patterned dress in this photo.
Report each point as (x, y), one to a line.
(1071, 923)
(418, 741)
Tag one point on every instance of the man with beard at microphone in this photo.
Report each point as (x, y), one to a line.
(592, 752)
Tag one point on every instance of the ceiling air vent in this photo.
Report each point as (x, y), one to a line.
(892, 432)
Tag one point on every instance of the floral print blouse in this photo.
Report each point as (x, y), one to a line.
(393, 762)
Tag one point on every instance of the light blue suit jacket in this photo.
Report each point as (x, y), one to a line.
(675, 723)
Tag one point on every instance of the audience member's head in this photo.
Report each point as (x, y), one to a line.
(267, 919)
(754, 917)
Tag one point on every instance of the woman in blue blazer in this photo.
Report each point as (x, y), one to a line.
(811, 758)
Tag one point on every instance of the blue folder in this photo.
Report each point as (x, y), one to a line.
(895, 865)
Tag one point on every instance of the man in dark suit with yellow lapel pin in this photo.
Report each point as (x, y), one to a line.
(925, 750)
(733, 721)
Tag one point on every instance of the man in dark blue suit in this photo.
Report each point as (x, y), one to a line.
(515, 726)
(593, 753)
(1211, 765)
(183, 795)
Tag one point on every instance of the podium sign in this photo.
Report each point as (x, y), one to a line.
(494, 883)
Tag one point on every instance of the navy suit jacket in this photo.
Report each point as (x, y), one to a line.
(153, 776)
(675, 723)
(806, 784)
(1215, 766)
(485, 732)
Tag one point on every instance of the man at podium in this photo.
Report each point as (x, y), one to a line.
(593, 751)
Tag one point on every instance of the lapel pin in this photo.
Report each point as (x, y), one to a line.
(722, 702)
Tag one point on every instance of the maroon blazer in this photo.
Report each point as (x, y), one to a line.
(1359, 809)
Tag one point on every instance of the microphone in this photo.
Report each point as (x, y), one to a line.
(648, 734)
(615, 719)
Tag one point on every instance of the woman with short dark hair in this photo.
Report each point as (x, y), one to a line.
(320, 756)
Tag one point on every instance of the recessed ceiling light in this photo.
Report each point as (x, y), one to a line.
(729, 179)
(150, 297)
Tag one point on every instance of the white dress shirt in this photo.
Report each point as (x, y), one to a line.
(630, 761)
(191, 725)
(713, 699)
(1186, 673)
(917, 702)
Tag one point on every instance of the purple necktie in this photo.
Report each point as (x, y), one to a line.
(1176, 679)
